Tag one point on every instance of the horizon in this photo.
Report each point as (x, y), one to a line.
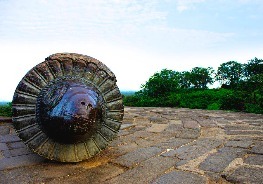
(134, 39)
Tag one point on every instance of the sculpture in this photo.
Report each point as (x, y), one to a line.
(67, 108)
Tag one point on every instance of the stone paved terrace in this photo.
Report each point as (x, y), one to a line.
(155, 145)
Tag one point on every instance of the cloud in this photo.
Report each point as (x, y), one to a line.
(181, 8)
(250, 1)
(75, 19)
(179, 39)
(183, 5)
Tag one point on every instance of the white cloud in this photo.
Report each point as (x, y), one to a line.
(183, 5)
(250, 1)
(181, 8)
(193, 34)
(75, 19)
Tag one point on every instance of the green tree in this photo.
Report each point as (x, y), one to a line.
(254, 75)
(254, 67)
(201, 77)
(161, 83)
(185, 79)
(230, 73)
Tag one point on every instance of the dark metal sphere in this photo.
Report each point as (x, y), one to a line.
(70, 112)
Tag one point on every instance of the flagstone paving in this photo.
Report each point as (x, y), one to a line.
(154, 145)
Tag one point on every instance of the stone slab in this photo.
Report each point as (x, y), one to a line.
(191, 124)
(156, 119)
(142, 143)
(9, 138)
(24, 160)
(20, 151)
(157, 128)
(46, 172)
(173, 143)
(6, 153)
(132, 158)
(246, 174)
(16, 145)
(175, 122)
(197, 148)
(257, 148)
(96, 175)
(3, 146)
(174, 128)
(146, 171)
(188, 133)
(245, 132)
(169, 153)
(126, 126)
(207, 123)
(239, 144)
(4, 130)
(177, 177)
(218, 161)
(254, 160)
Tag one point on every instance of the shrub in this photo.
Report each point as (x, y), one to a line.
(211, 99)
(214, 106)
(253, 108)
(131, 100)
(6, 110)
(174, 99)
(233, 101)
(203, 99)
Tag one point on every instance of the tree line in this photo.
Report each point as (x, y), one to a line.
(241, 88)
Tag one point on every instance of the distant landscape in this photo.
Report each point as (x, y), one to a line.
(241, 89)
(3, 103)
(128, 93)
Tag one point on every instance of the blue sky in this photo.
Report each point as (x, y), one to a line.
(133, 38)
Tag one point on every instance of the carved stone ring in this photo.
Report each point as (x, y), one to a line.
(68, 108)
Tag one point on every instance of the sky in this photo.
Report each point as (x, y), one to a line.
(134, 38)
